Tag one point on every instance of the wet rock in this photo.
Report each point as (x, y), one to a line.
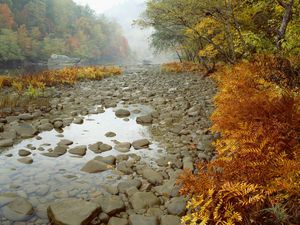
(103, 217)
(78, 120)
(95, 166)
(45, 127)
(124, 168)
(121, 113)
(58, 124)
(65, 142)
(6, 143)
(79, 150)
(18, 210)
(118, 221)
(142, 220)
(144, 119)
(95, 147)
(176, 206)
(123, 146)
(6, 198)
(57, 152)
(1, 128)
(124, 185)
(72, 212)
(24, 153)
(105, 148)
(26, 131)
(26, 160)
(152, 176)
(140, 144)
(188, 163)
(170, 220)
(111, 160)
(111, 204)
(143, 200)
(168, 188)
(112, 189)
(110, 134)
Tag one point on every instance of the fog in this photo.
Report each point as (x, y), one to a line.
(124, 12)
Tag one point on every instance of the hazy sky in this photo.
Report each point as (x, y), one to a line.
(102, 6)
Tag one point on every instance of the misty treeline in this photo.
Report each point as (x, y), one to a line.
(209, 31)
(32, 30)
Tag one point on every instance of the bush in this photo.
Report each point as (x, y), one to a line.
(258, 155)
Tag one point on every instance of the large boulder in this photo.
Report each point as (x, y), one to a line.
(72, 212)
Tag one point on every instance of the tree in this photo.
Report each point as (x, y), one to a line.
(6, 17)
(9, 48)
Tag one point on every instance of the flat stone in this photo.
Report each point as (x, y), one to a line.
(123, 146)
(18, 210)
(26, 160)
(140, 144)
(110, 134)
(72, 212)
(122, 113)
(95, 166)
(25, 116)
(45, 127)
(105, 147)
(152, 176)
(57, 152)
(6, 198)
(118, 221)
(6, 143)
(143, 200)
(124, 185)
(24, 152)
(111, 160)
(78, 150)
(65, 142)
(95, 147)
(142, 220)
(111, 204)
(170, 220)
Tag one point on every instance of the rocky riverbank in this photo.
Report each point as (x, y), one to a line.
(117, 181)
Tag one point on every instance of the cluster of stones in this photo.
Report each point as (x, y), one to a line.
(149, 194)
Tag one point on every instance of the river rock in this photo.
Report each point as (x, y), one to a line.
(78, 150)
(117, 221)
(95, 147)
(6, 198)
(65, 142)
(45, 127)
(143, 200)
(78, 120)
(124, 185)
(170, 220)
(123, 146)
(121, 113)
(24, 153)
(6, 143)
(26, 160)
(111, 204)
(95, 166)
(25, 116)
(176, 206)
(152, 176)
(111, 160)
(110, 134)
(142, 220)
(58, 151)
(144, 119)
(18, 210)
(26, 131)
(105, 148)
(140, 144)
(58, 124)
(72, 212)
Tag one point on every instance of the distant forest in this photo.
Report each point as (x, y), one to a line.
(32, 30)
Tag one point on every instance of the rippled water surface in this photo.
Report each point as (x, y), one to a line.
(48, 179)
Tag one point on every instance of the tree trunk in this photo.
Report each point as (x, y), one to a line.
(285, 21)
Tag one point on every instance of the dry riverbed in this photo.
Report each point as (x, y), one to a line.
(106, 152)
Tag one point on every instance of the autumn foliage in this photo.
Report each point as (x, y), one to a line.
(255, 178)
(184, 67)
(62, 76)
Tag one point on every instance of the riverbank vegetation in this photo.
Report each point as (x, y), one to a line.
(254, 177)
(32, 30)
(17, 90)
